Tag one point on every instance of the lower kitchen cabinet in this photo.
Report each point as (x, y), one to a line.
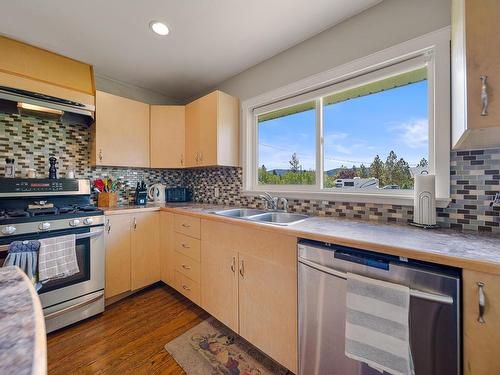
(219, 294)
(145, 269)
(118, 249)
(258, 297)
(132, 251)
(167, 247)
(481, 340)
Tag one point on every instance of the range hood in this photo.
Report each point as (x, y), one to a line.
(34, 103)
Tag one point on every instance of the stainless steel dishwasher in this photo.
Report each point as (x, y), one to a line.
(434, 309)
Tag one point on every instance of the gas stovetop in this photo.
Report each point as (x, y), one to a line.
(33, 205)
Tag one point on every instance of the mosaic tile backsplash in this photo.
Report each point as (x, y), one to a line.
(31, 141)
(475, 177)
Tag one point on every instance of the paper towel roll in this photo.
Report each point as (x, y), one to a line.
(424, 205)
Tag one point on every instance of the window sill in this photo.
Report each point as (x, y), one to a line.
(393, 199)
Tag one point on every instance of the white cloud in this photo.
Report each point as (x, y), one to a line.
(414, 133)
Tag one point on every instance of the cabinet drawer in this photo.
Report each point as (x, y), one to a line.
(187, 266)
(187, 225)
(188, 287)
(187, 246)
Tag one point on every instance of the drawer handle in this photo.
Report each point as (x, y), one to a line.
(484, 95)
(480, 318)
(186, 225)
(186, 246)
(185, 287)
(186, 267)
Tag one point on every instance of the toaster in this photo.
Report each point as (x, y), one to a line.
(179, 194)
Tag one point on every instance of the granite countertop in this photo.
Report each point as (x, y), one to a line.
(471, 250)
(23, 343)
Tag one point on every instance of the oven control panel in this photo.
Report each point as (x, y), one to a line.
(36, 227)
(42, 186)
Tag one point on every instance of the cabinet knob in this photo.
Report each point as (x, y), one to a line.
(482, 303)
(100, 154)
(185, 246)
(186, 267)
(182, 159)
(186, 225)
(185, 287)
(108, 224)
(135, 223)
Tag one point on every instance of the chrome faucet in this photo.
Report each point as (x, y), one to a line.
(271, 202)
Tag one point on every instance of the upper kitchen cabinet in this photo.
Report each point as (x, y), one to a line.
(212, 131)
(30, 68)
(167, 136)
(120, 135)
(475, 73)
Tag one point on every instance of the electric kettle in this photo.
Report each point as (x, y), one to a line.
(156, 193)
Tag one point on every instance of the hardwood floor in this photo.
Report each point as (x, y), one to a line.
(128, 338)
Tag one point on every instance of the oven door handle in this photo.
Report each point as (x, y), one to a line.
(89, 234)
(5, 248)
(57, 313)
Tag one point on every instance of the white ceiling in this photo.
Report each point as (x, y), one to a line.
(210, 40)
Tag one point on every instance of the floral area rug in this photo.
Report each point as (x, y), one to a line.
(211, 348)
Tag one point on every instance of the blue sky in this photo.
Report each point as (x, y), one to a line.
(354, 131)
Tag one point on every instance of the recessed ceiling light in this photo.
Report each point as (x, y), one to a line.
(159, 28)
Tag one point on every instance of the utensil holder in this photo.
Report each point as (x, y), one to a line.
(107, 199)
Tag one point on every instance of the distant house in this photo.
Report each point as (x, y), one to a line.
(357, 183)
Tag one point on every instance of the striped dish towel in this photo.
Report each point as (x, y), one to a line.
(377, 331)
(57, 258)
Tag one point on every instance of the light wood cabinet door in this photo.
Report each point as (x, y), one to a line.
(212, 131)
(167, 260)
(167, 136)
(481, 340)
(118, 253)
(208, 106)
(268, 308)
(219, 273)
(194, 118)
(120, 136)
(482, 27)
(145, 266)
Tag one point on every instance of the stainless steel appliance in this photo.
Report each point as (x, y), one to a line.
(179, 194)
(434, 309)
(33, 209)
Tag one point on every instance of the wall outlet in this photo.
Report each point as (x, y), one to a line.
(216, 192)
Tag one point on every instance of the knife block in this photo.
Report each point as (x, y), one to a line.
(107, 199)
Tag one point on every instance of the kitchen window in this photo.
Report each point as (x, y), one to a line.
(358, 137)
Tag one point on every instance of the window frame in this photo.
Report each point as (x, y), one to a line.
(431, 50)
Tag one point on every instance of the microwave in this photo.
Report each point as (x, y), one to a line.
(179, 194)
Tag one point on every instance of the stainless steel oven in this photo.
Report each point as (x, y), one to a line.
(70, 299)
(33, 209)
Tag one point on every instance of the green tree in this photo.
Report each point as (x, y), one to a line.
(401, 174)
(377, 170)
(423, 163)
(389, 168)
(294, 163)
(362, 171)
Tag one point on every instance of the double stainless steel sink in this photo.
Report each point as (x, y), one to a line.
(263, 216)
